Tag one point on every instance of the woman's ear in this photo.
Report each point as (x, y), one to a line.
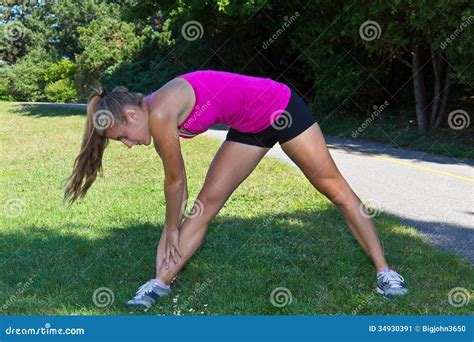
(130, 113)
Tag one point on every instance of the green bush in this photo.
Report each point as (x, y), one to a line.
(64, 69)
(5, 83)
(28, 76)
(61, 91)
(60, 82)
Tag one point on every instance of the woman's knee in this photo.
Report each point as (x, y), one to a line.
(210, 204)
(336, 190)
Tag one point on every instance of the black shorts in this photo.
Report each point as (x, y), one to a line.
(295, 119)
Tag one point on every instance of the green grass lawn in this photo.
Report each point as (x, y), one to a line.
(274, 231)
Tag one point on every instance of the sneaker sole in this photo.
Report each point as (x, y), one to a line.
(136, 306)
(389, 296)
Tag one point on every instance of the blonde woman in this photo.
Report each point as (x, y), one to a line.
(260, 112)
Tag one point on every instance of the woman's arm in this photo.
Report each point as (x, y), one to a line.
(163, 129)
(161, 249)
(184, 199)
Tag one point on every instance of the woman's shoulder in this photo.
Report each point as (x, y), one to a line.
(202, 72)
(177, 95)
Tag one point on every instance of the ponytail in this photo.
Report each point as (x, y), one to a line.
(103, 108)
(89, 161)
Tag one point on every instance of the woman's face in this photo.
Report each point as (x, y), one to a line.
(134, 131)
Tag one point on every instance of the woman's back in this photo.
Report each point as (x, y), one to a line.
(245, 103)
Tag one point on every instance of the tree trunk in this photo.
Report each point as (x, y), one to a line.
(444, 98)
(437, 71)
(419, 89)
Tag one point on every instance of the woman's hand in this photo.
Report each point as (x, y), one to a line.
(172, 251)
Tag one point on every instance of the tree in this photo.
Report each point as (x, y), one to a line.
(107, 42)
(28, 76)
(413, 32)
(59, 78)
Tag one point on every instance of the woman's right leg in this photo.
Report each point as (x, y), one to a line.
(233, 163)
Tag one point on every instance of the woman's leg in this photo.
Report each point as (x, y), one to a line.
(309, 152)
(232, 164)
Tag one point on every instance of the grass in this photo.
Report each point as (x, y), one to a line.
(274, 231)
(400, 130)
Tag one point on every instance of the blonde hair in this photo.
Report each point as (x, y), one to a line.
(103, 110)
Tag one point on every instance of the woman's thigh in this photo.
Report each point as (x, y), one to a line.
(232, 164)
(309, 152)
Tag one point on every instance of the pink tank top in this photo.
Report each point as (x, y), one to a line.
(245, 103)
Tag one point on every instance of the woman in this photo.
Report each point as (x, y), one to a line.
(259, 112)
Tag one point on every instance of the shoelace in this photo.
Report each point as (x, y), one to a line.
(393, 278)
(144, 289)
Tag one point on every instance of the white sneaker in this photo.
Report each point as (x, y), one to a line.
(390, 283)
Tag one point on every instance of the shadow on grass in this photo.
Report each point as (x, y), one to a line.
(240, 263)
(48, 110)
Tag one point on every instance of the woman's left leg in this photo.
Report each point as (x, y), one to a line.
(309, 152)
